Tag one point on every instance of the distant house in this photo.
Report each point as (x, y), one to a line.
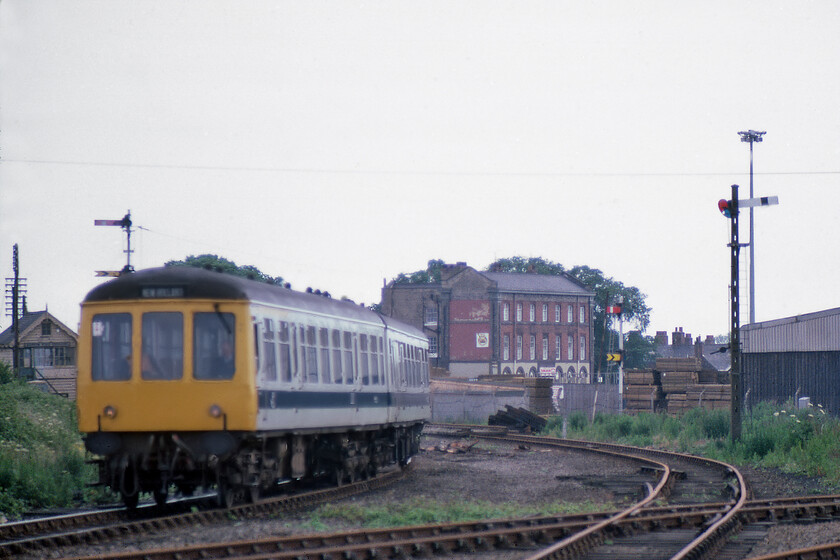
(47, 351)
(500, 323)
(712, 355)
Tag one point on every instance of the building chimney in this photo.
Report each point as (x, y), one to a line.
(661, 338)
(710, 339)
(447, 271)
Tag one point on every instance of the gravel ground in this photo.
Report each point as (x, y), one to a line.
(491, 472)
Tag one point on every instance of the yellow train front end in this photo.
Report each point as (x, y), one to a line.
(166, 388)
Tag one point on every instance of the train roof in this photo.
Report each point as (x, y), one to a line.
(174, 282)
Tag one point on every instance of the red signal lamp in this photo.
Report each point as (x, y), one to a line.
(725, 208)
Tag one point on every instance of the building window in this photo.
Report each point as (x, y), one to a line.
(545, 313)
(569, 314)
(506, 347)
(558, 347)
(431, 315)
(545, 346)
(571, 348)
(433, 346)
(533, 312)
(533, 347)
(519, 312)
(46, 329)
(519, 347)
(582, 347)
(506, 312)
(582, 314)
(557, 313)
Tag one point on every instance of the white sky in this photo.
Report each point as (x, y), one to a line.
(338, 144)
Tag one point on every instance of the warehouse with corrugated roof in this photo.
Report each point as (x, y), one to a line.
(792, 358)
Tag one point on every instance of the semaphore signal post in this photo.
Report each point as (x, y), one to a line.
(125, 224)
(730, 209)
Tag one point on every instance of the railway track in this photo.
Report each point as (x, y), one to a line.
(102, 526)
(681, 529)
(452, 538)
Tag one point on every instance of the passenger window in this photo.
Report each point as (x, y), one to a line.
(324, 339)
(162, 346)
(336, 362)
(269, 351)
(214, 345)
(375, 358)
(363, 359)
(111, 347)
(285, 361)
(349, 370)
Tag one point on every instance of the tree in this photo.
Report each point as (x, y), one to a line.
(639, 350)
(221, 264)
(430, 275)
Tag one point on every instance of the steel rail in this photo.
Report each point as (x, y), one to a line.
(705, 543)
(497, 532)
(280, 504)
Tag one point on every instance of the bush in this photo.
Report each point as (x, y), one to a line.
(41, 452)
(6, 373)
(577, 421)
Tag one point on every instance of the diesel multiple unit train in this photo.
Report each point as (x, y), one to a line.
(190, 378)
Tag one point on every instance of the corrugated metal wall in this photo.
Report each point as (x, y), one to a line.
(812, 332)
(778, 376)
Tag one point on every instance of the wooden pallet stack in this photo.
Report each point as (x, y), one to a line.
(642, 391)
(712, 396)
(674, 385)
(686, 386)
(538, 394)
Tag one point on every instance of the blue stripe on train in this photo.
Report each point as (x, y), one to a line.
(328, 399)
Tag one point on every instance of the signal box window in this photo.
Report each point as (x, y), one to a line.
(111, 347)
(214, 344)
(163, 346)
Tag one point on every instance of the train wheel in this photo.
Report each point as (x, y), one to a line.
(338, 475)
(160, 497)
(131, 501)
(227, 497)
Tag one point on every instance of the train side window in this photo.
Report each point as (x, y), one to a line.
(285, 358)
(111, 347)
(336, 354)
(162, 345)
(214, 345)
(269, 361)
(349, 370)
(375, 359)
(324, 346)
(402, 366)
(412, 364)
(364, 362)
(309, 354)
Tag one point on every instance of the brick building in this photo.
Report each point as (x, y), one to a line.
(47, 351)
(481, 323)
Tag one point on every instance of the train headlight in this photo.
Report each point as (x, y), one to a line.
(216, 411)
(109, 412)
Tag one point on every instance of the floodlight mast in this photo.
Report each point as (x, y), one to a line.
(752, 136)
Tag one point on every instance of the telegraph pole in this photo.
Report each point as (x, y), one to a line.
(752, 136)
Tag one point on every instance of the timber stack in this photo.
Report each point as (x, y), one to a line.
(675, 385)
(538, 394)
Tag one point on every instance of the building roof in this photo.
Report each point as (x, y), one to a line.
(536, 283)
(809, 332)
(28, 321)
